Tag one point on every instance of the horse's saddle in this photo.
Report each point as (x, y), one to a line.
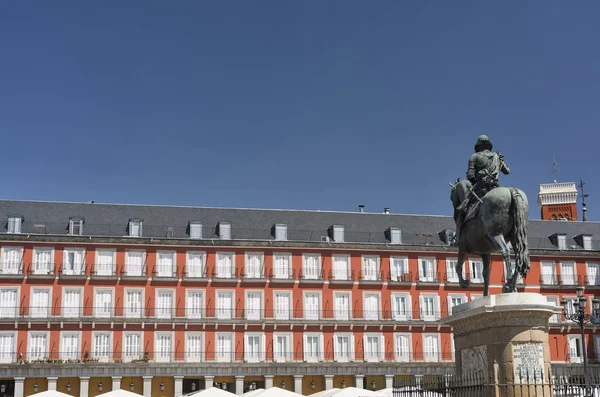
(472, 211)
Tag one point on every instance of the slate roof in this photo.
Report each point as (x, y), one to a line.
(113, 219)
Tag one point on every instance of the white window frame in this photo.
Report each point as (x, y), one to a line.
(232, 309)
(380, 339)
(304, 306)
(82, 265)
(261, 314)
(451, 275)
(436, 306)
(439, 347)
(561, 240)
(288, 315)
(62, 348)
(455, 296)
(597, 346)
(587, 243)
(422, 275)
(338, 233)
(97, 253)
(475, 278)
(281, 232)
(126, 312)
(276, 273)
(192, 359)
(3, 261)
(202, 266)
(220, 273)
(589, 264)
(262, 348)
(141, 346)
(196, 230)
(231, 357)
(162, 272)
(573, 266)
(17, 308)
(397, 316)
(365, 275)
(128, 264)
(50, 269)
(320, 346)
(173, 302)
(73, 223)
(11, 356)
(367, 316)
(48, 307)
(225, 230)
(548, 279)
(171, 352)
(46, 352)
(409, 354)
(394, 276)
(555, 318)
(111, 345)
(79, 304)
(319, 269)
(261, 268)
(337, 355)
(112, 302)
(202, 313)
(336, 313)
(338, 274)
(289, 356)
(135, 224)
(395, 235)
(571, 358)
(14, 225)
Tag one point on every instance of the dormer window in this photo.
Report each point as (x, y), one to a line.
(561, 241)
(395, 235)
(225, 230)
(587, 242)
(76, 226)
(338, 233)
(196, 230)
(135, 228)
(14, 224)
(281, 232)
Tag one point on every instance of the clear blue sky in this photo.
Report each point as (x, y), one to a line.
(294, 104)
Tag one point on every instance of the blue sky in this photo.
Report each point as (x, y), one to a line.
(294, 104)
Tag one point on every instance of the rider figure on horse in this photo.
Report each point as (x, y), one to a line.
(484, 169)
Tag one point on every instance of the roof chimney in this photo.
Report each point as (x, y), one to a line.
(361, 208)
(386, 210)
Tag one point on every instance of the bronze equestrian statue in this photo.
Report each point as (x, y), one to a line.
(489, 216)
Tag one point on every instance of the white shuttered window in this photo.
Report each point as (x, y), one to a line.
(132, 343)
(224, 304)
(40, 303)
(134, 263)
(101, 348)
(195, 264)
(7, 347)
(164, 303)
(312, 266)
(69, 345)
(71, 305)
(37, 346)
(282, 266)
(282, 306)
(9, 307)
(42, 261)
(194, 347)
(105, 265)
(11, 260)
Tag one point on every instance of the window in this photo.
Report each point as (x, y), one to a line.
(71, 302)
(194, 347)
(132, 345)
(476, 271)
(37, 346)
(103, 303)
(338, 233)
(225, 265)
(451, 275)
(225, 304)
(371, 306)
(225, 230)
(430, 307)
(399, 268)
(195, 304)
(281, 232)
(343, 348)
(165, 264)
(163, 346)
(224, 347)
(135, 228)
(70, 343)
(427, 269)
(282, 347)
(549, 273)
(575, 348)
(455, 300)
(587, 242)
(40, 302)
(553, 300)
(283, 267)
(395, 236)
(73, 262)
(10, 302)
(311, 266)
(374, 347)
(254, 347)
(597, 346)
(14, 224)
(105, 262)
(165, 303)
(8, 342)
(593, 273)
(101, 345)
(12, 258)
(42, 261)
(76, 227)
(402, 347)
(370, 267)
(401, 309)
(313, 347)
(134, 303)
(253, 305)
(195, 266)
(341, 304)
(567, 273)
(254, 265)
(431, 347)
(341, 267)
(562, 241)
(312, 306)
(135, 263)
(282, 305)
(195, 230)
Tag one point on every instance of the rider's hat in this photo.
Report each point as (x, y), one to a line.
(483, 143)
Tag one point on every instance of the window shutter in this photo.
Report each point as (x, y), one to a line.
(352, 348)
(336, 348)
(321, 347)
(364, 357)
(305, 347)
(381, 347)
(437, 307)
(275, 348)
(421, 305)
(263, 347)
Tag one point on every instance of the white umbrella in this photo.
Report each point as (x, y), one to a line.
(276, 392)
(353, 392)
(52, 393)
(253, 392)
(120, 393)
(210, 392)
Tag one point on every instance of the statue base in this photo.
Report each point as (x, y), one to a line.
(502, 341)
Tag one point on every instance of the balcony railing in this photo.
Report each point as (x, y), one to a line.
(371, 277)
(194, 273)
(164, 272)
(225, 273)
(249, 273)
(428, 278)
(282, 276)
(11, 269)
(312, 276)
(104, 271)
(41, 271)
(569, 280)
(77, 271)
(131, 271)
(592, 282)
(549, 280)
(341, 276)
(405, 278)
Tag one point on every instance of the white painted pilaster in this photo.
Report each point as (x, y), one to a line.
(358, 381)
(178, 385)
(19, 387)
(84, 386)
(239, 385)
(328, 382)
(208, 381)
(147, 386)
(269, 381)
(389, 381)
(52, 382)
(298, 384)
(116, 382)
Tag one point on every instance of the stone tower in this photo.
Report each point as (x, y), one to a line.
(558, 201)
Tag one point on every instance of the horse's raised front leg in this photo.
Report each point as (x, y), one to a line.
(509, 284)
(486, 259)
(462, 256)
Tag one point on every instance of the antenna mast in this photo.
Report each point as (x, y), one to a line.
(583, 197)
(555, 169)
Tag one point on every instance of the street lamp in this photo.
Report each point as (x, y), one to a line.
(373, 384)
(193, 386)
(68, 387)
(100, 386)
(2, 388)
(343, 383)
(131, 386)
(35, 387)
(283, 384)
(581, 318)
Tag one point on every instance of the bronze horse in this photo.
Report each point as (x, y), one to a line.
(502, 217)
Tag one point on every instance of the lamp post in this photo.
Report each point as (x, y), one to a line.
(581, 318)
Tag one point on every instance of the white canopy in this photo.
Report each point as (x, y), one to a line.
(210, 392)
(253, 392)
(346, 392)
(276, 392)
(120, 393)
(52, 393)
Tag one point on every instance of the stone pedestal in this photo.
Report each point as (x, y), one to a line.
(503, 339)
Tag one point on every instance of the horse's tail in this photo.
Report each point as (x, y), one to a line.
(520, 214)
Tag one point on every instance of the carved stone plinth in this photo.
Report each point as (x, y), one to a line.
(503, 339)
